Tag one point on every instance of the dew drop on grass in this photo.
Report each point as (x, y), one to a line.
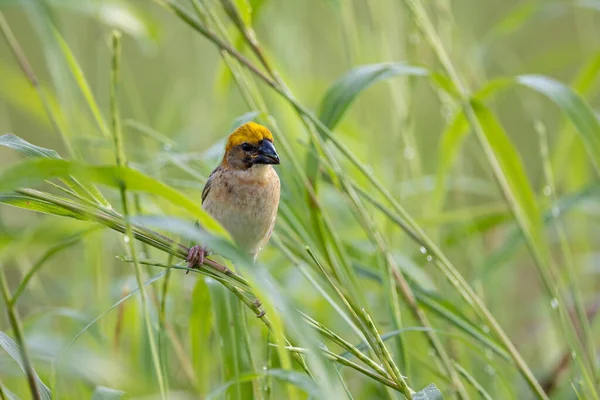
(126, 239)
(547, 191)
(423, 250)
(485, 328)
(265, 368)
(554, 303)
(409, 153)
(490, 370)
(167, 147)
(429, 258)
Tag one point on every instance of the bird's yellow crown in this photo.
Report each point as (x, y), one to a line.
(250, 132)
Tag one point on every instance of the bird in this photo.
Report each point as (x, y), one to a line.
(242, 192)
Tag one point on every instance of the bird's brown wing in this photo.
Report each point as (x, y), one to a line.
(209, 183)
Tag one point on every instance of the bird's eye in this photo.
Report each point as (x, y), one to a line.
(246, 146)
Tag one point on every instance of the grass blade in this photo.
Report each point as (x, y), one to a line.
(13, 351)
(82, 83)
(344, 91)
(30, 150)
(431, 392)
(574, 106)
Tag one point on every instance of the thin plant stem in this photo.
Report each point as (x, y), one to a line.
(162, 317)
(15, 323)
(121, 161)
(343, 343)
(566, 250)
(144, 300)
(392, 368)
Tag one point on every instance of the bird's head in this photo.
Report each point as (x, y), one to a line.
(250, 144)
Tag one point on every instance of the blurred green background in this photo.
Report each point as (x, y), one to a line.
(179, 101)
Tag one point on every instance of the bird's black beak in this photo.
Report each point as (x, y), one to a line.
(267, 154)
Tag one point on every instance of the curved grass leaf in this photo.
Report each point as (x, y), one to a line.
(345, 90)
(104, 393)
(30, 150)
(30, 172)
(28, 203)
(13, 351)
(574, 106)
(455, 134)
(45, 314)
(510, 173)
(431, 392)
(471, 379)
(125, 17)
(569, 101)
(7, 394)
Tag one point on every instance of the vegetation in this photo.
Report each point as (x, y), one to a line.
(437, 230)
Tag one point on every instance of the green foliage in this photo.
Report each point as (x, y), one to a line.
(433, 214)
(14, 352)
(345, 90)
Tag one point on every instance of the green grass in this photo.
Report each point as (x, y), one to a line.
(436, 233)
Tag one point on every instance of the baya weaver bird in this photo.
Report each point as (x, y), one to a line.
(242, 193)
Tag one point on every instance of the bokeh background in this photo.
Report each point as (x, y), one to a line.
(178, 102)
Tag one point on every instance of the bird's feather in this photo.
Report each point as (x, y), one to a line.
(209, 183)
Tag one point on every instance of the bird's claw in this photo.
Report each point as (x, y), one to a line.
(195, 257)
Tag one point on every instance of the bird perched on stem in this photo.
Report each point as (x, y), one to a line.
(242, 193)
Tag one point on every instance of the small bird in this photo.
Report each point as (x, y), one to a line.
(242, 193)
